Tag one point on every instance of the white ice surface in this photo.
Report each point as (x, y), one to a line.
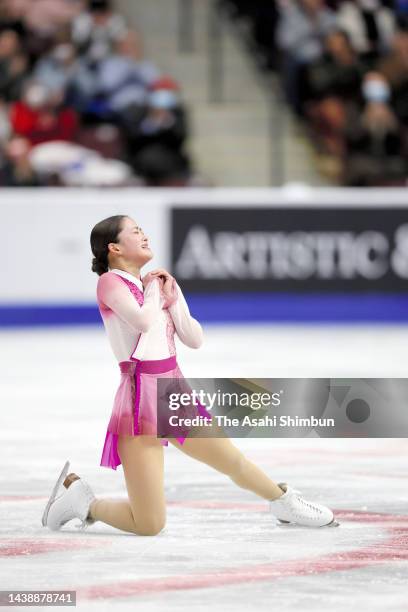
(220, 548)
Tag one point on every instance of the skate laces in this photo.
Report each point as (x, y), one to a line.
(305, 502)
(298, 495)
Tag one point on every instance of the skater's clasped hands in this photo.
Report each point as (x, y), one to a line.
(167, 282)
(159, 273)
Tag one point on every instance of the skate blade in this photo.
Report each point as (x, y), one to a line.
(53, 495)
(333, 523)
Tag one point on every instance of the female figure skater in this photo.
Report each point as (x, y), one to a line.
(141, 317)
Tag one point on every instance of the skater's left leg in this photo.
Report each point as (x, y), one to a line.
(286, 504)
(222, 455)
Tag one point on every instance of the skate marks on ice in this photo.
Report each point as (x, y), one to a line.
(220, 547)
(238, 550)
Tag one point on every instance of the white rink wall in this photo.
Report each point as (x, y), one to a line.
(46, 232)
(48, 257)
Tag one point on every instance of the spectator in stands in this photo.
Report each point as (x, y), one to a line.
(47, 17)
(41, 21)
(156, 141)
(359, 121)
(72, 76)
(369, 25)
(41, 117)
(105, 89)
(14, 66)
(9, 44)
(11, 19)
(300, 34)
(302, 28)
(331, 85)
(374, 147)
(57, 69)
(338, 73)
(16, 170)
(394, 67)
(96, 31)
(124, 77)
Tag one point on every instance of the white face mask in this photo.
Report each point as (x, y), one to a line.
(36, 96)
(376, 91)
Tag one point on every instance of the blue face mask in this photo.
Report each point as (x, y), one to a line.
(376, 91)
(163, 98)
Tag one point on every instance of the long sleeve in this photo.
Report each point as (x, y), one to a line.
(188, 329)
(113, 294)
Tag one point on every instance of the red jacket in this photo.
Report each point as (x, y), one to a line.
(42, 126)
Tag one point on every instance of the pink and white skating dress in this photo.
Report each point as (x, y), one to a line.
(141, 331)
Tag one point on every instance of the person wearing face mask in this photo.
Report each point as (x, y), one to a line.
(41, 117)
(370, 26)
(374, 147)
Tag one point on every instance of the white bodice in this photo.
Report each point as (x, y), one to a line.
(143, 330)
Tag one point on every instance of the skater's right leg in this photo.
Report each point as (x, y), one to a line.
(144, 513)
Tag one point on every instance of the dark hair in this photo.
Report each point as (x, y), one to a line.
(102, 234)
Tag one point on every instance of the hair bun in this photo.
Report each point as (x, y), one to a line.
(98, 266)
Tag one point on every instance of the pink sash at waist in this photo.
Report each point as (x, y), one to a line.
(152, 366)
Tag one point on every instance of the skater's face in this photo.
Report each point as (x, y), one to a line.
(132, 245)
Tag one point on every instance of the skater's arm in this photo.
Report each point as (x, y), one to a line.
(114, 294)
(188, 329)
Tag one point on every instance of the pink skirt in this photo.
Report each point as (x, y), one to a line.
(134, 409)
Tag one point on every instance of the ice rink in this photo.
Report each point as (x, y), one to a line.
(221, 549)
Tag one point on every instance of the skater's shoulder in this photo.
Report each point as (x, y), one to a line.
(108, 280)
(107, 277)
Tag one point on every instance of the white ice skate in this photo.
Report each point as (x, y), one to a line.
(74, 502)
(291, 507)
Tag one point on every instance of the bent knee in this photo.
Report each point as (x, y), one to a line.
(151, 527)
(150, 530)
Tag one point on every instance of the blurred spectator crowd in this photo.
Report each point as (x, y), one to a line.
(79, 102)
(343, 66)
